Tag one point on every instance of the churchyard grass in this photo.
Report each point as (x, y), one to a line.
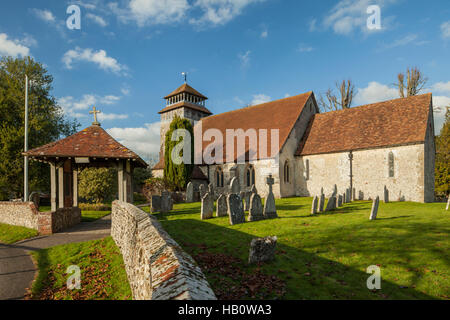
(89, 216)
(103, 275)
(10, 234)
(326, 256)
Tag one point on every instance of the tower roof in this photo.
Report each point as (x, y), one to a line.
(93, 142)
(185, 88)
(186, 104)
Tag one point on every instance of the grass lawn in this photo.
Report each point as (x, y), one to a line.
(89, 216)
(323, 256)
(103, 275)
(10, 234)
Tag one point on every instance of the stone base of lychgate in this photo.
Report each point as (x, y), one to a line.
(156, 266)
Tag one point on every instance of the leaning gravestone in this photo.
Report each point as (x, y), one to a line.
(207, 209)
(235, 209)
(221, 206)
(256, 208)
(234, 186)
(321, 202)
(202, 190)
(262, 249)
(331, 205)
(314, 205)
(386, 195)
(374, 211)
(190, 193)
(270, 210)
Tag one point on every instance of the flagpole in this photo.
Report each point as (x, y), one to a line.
(25, 184)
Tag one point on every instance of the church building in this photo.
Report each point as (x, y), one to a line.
(367, 148)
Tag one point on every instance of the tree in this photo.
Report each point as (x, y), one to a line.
(415, 81)
(343, 101)
(177, 175)
(97, 184)
(140, 175)
(46, 123)
(442, 176)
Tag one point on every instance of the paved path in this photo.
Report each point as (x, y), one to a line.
(16, 267)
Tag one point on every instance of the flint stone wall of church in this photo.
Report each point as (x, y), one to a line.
(156, 266)
(25, 214)
(370, 174)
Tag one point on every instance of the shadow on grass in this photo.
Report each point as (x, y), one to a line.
(307, 275)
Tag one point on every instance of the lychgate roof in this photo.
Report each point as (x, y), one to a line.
(395, 122)
(93, 142)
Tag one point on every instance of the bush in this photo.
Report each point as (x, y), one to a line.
(94, 207)
(154, 186)
(98, 184)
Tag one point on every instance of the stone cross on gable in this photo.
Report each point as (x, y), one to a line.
(270, 181)
(94, 112)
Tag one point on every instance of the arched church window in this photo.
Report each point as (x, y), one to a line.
(219, 177)
(286, 172)
(391, 164)
(250, 176)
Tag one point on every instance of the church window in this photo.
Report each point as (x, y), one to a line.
(219, 177)
(286, 172)
(250, 176)
(391, 164)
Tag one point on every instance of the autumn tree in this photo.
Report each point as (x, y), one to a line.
(413, 84)
(46, 123)
(178, 175)
(442, 176)
(342, 100)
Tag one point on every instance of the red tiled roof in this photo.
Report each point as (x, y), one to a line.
(280, 114)
(389, 123)
(91, 142)
(159, 165)
(187, 105)
(185, 88)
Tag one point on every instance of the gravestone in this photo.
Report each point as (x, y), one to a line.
(234, 186)
(221, 206)
(335, 190)
(270, 210)
(246, 197)
(321, 202)
(331, 205)
(256, 209)
(344, 198)
(207, 209)
(374, 211)
(448, 204)
(166, 202)
(254, 190)
(262, 249)
(339, 200)
(347, 195)
(386, 195)
(155, 203)
(235, 209)
(314, 205)
(202, 190)
(190, 193)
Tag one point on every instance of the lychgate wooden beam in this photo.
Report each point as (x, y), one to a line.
(75, 186)
(53, 186)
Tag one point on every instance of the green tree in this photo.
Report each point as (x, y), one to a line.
(97, 184)
(140, 175)
(46, 123)
(178, 175)
(442, 182)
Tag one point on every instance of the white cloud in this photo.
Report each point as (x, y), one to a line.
(125, 91)
(445, 28)
(145, 140)
(375, 92)
(349, 15)
(111, 116)
(305, 48)
(260, 98)
(264, 34)
(12, 48)
(440, 103)
(245, 58)
(441, 87)
(78, 108)
(408, 39)
(97, 19)
(312, 25)
(99, 57)
(45, 15)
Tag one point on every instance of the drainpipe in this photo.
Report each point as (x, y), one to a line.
(350, 157)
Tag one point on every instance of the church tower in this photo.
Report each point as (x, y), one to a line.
(185, 102)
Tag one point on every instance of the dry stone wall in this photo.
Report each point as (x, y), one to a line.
(157, 267)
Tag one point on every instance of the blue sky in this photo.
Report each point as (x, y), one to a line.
(129, 54)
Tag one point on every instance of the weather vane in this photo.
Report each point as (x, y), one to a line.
(94, 112)
(184, 74)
